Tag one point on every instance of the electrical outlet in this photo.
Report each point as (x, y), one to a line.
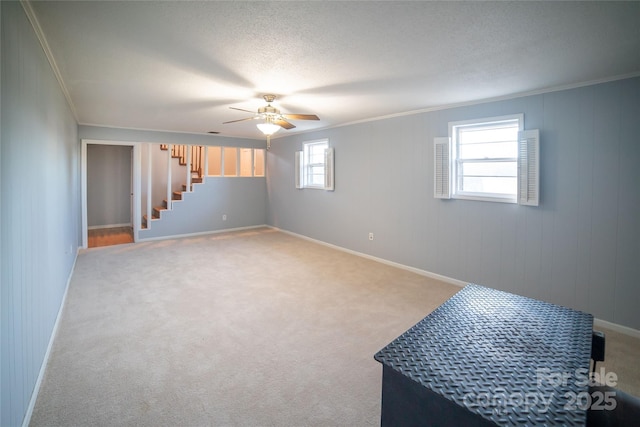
(370, 236)
(224, 217)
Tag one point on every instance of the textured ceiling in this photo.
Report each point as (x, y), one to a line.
(180, 65)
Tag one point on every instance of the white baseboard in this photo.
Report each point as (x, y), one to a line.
(202, 233)
(95, 227)
(380, 260)
(617, 328)
(597, 322)
(36, 389)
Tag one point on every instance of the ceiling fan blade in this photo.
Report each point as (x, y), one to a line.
(301, 116)
(240, 120)
(240, 109)
(284, 124)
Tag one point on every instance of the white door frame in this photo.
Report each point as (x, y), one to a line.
(136, 167)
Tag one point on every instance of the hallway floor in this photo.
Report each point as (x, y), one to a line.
(110, 236)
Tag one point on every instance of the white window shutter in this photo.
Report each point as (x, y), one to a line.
(328, 169)
(298, 169)
(442, 167)
(529, 167)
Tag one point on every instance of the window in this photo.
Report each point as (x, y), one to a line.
(258, 162)
(234, 161)
(230, 161)
(488, 159)
(246, 162)
(314, 165)
(215, 161)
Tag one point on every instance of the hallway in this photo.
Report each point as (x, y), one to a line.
(109, 236)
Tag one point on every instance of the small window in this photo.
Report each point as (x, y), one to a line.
(230, 161)
(485, 154)
(258, 162)
(314, 165)
(488, 159)
(215, 161)
(246, 162)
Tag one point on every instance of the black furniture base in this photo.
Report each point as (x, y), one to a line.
(406, 403)
(626, 413)
(487, 357)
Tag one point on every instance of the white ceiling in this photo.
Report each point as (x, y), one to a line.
(180, 65)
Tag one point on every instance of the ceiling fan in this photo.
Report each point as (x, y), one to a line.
(272, 118)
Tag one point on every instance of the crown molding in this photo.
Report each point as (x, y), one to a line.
(33, 19)
(542, 91)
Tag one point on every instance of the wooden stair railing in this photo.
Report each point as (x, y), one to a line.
(179, 152)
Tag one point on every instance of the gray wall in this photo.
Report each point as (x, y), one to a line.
(580, 248)
(242, 199)
(108, 185)
(40, 213)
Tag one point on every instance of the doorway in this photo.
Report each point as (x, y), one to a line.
(110, 188)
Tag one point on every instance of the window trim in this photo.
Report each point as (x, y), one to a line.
(454, 163)
(220, 165)
(259, 164)
(302, 167)
(307, 166)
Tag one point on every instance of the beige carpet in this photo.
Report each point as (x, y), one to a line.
(249, 328)
(253, 328)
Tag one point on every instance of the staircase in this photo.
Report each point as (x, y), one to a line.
(179, 152)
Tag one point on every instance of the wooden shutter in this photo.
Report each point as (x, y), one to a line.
(529, 167)
(328, 169)
(298, 169)
(442, 167)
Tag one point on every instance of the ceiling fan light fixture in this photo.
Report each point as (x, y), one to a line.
(268, 128)
(272, 119)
